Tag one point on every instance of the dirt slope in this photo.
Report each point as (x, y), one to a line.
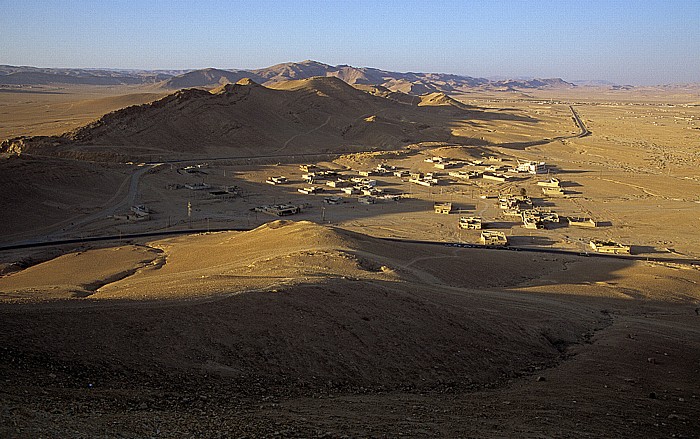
(37, 192)
(296, 329)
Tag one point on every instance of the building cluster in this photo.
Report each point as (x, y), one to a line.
(364, 186)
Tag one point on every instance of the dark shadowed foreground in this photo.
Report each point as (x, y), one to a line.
(300, 330)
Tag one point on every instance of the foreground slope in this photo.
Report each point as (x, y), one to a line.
(295, 328)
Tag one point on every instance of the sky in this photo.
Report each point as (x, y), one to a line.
(627, 42)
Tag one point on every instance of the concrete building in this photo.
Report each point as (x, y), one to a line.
(368, 173)
(141, 210)
(277, 180)
(493, 237)
(470, 223)
(278, 209)
(553, 191)
(552, 182)
(425, 181)
(435, 159)
(350, 190)
(496, 177)
(465, 175)
(581, 222)
(446, 165)
(197, 186)
(339, 183)
(532, 219)
(225, 192)
(310, 190)
(610, 247)
(532, 167)
(369, 190)
(518, 202)
(443, 208)
(364, 181)
(308, 168)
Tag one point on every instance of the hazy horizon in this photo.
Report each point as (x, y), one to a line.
(624, 42)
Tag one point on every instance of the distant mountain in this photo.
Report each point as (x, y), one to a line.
(209, 77)
(409, 82)
(13, 75)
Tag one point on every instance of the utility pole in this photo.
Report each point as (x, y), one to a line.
(189, 213)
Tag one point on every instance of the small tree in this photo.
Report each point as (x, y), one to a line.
(523, 191)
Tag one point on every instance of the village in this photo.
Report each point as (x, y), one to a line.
(490, 199)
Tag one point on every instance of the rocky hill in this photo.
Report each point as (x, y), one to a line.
(302, 116)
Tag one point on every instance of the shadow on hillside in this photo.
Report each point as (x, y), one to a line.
(337, 333)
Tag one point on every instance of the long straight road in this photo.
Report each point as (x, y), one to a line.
(584, 131)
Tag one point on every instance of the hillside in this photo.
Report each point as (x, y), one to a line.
(293, 329)
(245, 118)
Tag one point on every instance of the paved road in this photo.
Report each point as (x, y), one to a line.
(684, 261)
(579, 122)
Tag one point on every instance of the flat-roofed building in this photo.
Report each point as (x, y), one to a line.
(493, 237)
(470, 223)
(443, 208)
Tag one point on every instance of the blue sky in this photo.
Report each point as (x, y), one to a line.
(631, 42)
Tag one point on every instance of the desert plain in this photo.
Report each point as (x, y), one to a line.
(209, 317)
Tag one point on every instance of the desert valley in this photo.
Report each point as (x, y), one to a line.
(308, 250)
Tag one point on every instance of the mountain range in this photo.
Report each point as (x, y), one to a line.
(409, 82)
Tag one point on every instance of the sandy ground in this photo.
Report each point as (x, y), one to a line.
(52, 110)
(388, 339)
(299, 330)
